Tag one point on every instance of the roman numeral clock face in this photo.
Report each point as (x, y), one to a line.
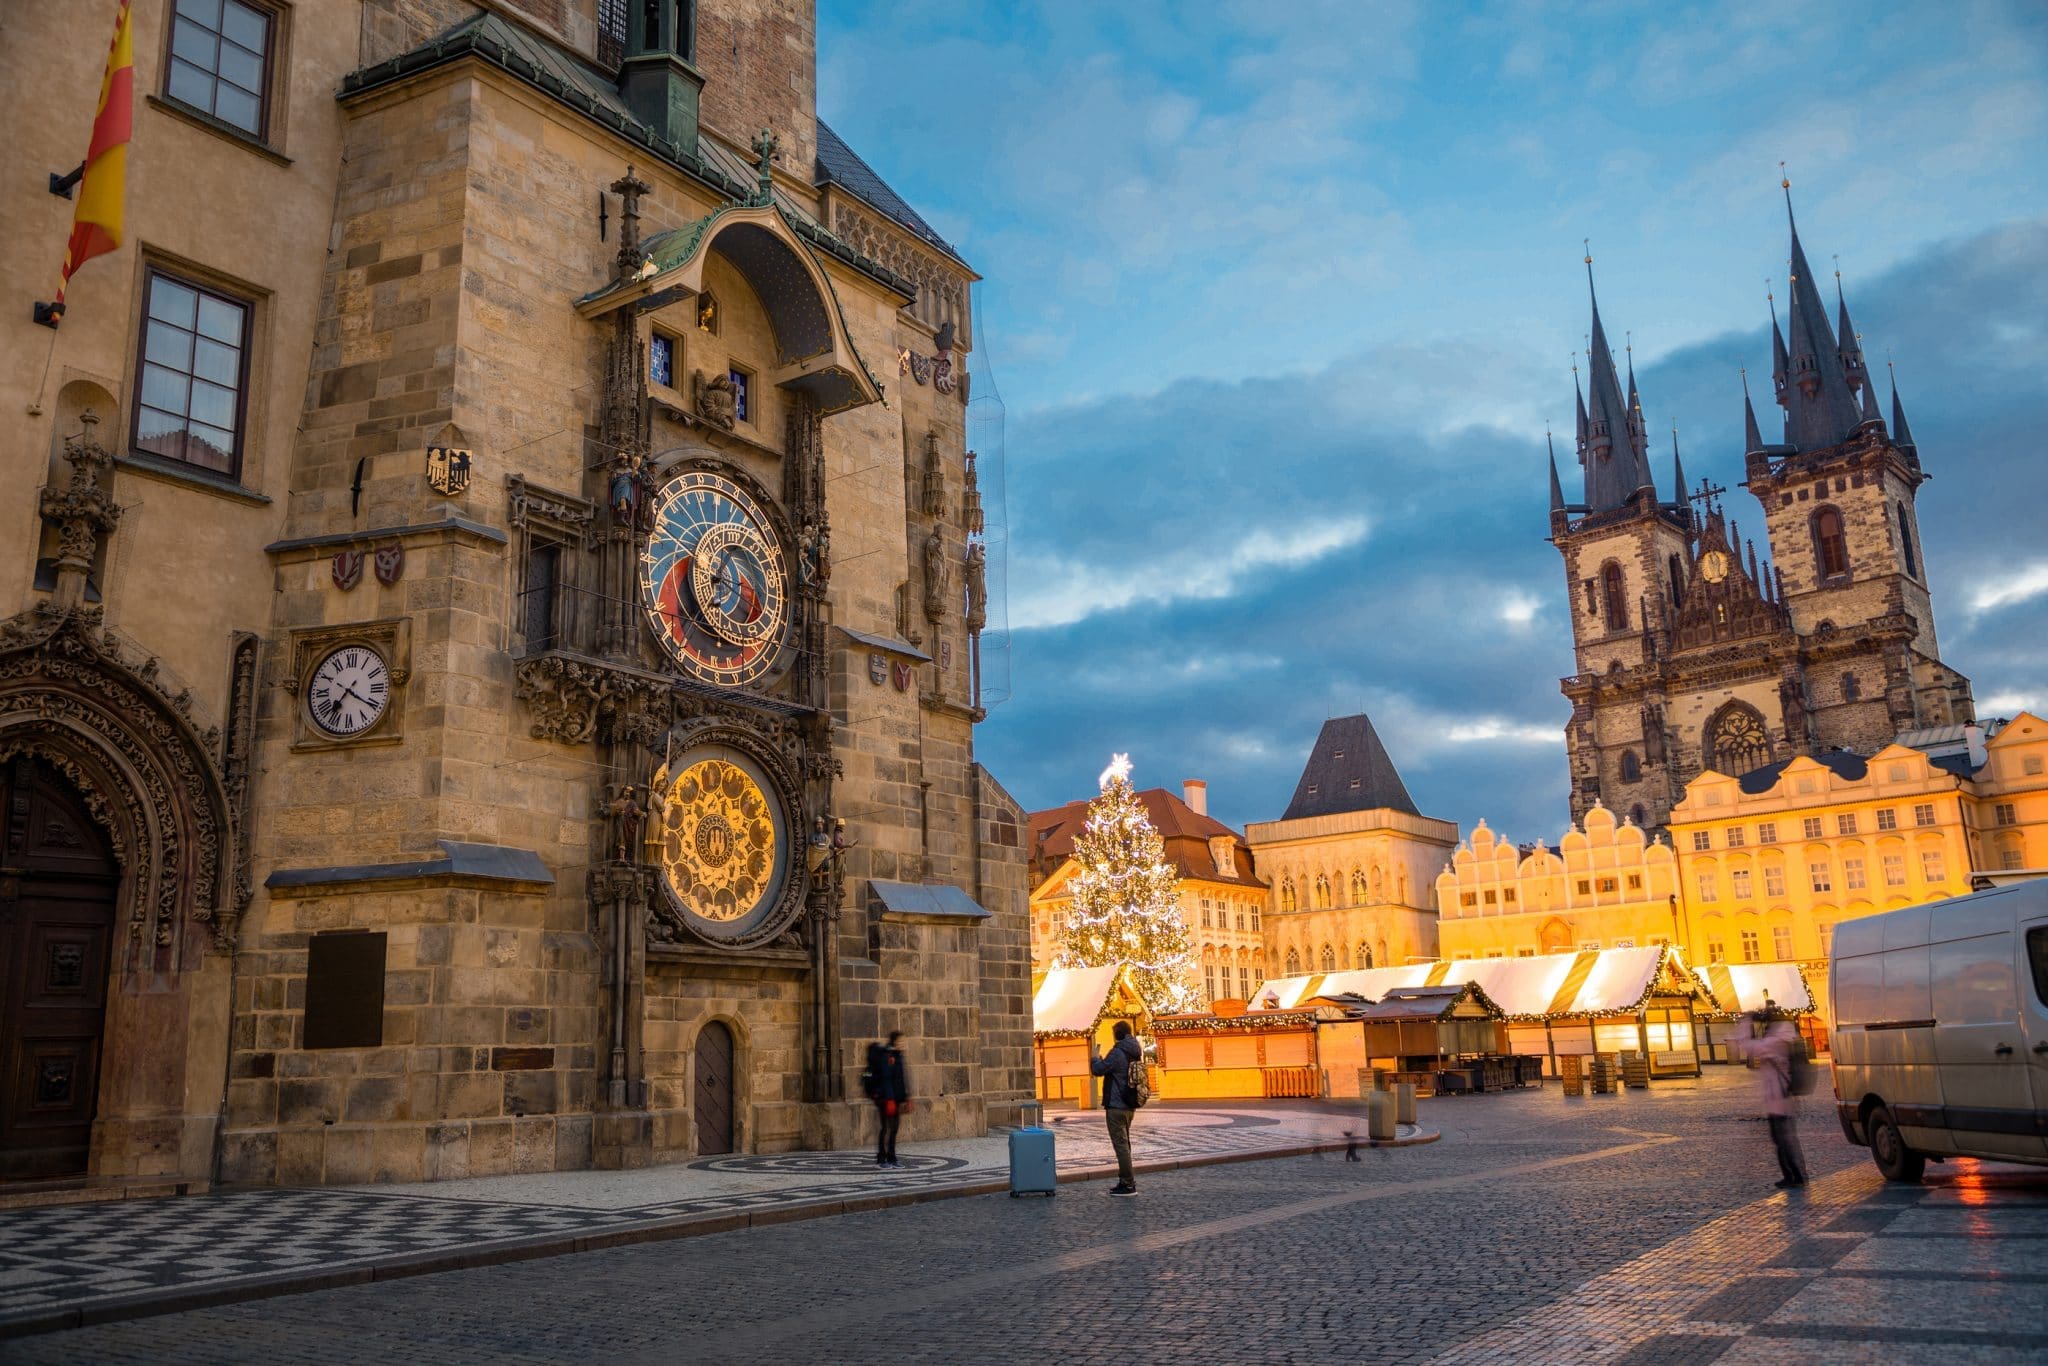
(714, 580)
(349, 691)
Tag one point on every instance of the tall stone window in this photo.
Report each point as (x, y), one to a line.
(1736, 741)
(1906, 542)
(193, 373)
(1329, 959)
(1830, 544)
(1614, 596)
(1631, 767)
(220, 61)
(1293, 962)
(1364, 954)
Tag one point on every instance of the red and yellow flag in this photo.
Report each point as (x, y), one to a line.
(102, 193)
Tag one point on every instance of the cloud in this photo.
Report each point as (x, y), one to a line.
(2009, 704)
(1060, 592)
(2019, 586)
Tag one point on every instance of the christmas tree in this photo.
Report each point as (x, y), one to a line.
(1126, 906)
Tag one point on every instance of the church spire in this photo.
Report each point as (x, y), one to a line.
(1609, 446)
(1820, 405)
(1752, 438)
(1851, 349)
(1556, 487)
(1780, 366)
(1677, 472)
(1902, 435)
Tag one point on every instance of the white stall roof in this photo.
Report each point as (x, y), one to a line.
(1371, 983)
(1743, 987)
(1071, 1000)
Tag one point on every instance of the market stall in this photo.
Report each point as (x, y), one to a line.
(1069, 1007)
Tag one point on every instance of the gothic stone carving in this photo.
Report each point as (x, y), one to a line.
(145, 766)
(715, 400)
(572, 698)
(82, 511)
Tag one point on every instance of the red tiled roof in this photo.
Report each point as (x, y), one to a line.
(1185, 831)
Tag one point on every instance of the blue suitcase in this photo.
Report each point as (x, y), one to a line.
(1031, 1164)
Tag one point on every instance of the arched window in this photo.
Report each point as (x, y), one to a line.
(1287, 899)
(1364, 954)
(1635, 815)
(1329, 959)
(1401, 885)
(1379, 883)
(1614, 596)
(1677, 577)
(1322, 892)
(1357, 887)
(1631, 767)
(1293, 963)
(1735, 740)
(1830, 544)
(1851, 689)
(1906, 542)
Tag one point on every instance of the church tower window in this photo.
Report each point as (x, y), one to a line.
(1830, 544)
(1329, 959)
(1614, 596)
(1906, 542)
(1677, 580)
(1293, 963)
(1736, 740)
(1631, 767)
(1851, 690)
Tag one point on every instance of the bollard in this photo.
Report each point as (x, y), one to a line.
(1404, 1102)
(1379, 1115)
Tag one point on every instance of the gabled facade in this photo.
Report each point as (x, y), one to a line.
(1692, 650)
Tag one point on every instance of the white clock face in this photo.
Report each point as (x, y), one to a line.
(349, 691)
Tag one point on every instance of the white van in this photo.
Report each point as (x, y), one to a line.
(1941, 1030)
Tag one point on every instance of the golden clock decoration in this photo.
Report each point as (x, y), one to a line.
(721, 839)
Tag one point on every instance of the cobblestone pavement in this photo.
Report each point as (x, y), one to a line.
(122, 1252)
(1637, 1228)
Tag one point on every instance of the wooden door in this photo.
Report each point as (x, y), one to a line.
(714, 1093)
(57, 887)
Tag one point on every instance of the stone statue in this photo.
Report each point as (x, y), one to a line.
(814, 555)
(934, 477)
(715, 398)
(1653, 734)
(1792, 697)
(818, 850)
(625, 494)
(977, 586)
(937, 574)
(625, 814)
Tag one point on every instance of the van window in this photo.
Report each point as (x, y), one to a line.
(2037, 954)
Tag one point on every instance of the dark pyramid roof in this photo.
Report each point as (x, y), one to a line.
(1348, 770)
(1752, 438)
(842, 166)
(1610, 448)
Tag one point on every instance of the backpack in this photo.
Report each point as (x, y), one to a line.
(1798, 1070)
(1137, 1082)
(871, 1078)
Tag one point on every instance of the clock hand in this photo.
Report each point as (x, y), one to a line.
(353, 693)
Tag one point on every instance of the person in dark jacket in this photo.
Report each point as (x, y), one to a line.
(889, 1087)
(1118, 1104)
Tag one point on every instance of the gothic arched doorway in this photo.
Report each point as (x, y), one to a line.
(714, 1090)
(58, 884)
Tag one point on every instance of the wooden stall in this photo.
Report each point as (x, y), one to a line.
(1238, 1054)
(1734, 991)
(1410, 1030)
(1069, 1007)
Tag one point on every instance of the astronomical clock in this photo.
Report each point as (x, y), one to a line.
(724, 810)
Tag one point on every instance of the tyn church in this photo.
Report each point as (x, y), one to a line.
(1695, 653)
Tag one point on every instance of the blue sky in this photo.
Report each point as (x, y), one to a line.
(1280, 298)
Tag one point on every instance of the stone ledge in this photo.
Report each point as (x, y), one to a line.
(453, 528)
(489, 866)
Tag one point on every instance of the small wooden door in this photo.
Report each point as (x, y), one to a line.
(714, 1098)
(57, 887)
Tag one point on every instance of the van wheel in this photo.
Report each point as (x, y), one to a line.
(1888, 1148)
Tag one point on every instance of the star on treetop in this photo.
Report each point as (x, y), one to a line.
(1119, 769)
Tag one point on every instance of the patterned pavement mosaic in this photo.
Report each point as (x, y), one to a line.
(65, 1256)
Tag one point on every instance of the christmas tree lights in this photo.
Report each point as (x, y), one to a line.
(1126, 899)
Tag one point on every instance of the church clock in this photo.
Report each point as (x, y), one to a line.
(715, 581)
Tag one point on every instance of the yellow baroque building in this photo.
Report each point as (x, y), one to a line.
(1349, 864)
(2010, 837)
(1605, 886)
(1772, 861)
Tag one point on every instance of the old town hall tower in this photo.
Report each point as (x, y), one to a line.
(1692, 653)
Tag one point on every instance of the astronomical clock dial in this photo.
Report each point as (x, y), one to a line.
(723, 839)
(349, 691)
(1714, 566)
(714, 580)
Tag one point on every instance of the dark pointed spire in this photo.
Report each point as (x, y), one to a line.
(1581, 396)
(1677, 471)
(1851, 345)
(1820, 406)
(1780, 366)
(1610, 448)
(1752, 438)
(1870, 409)
(1902, 435)
(1556, 487)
